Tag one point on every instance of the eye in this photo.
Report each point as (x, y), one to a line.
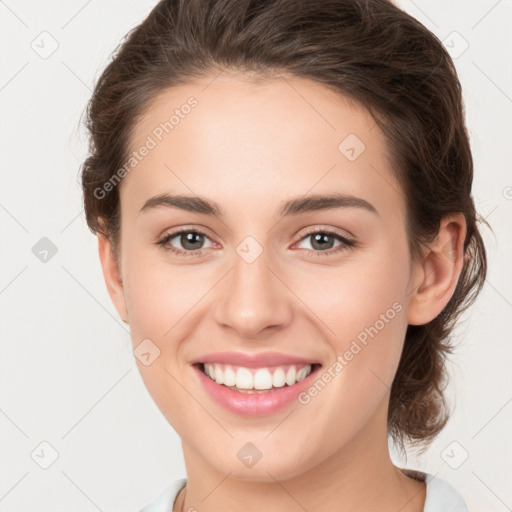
(321, 241)
(191, 241)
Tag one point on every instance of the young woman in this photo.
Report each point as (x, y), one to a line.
(281, 191)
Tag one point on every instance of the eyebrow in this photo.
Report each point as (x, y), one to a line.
(294, 206)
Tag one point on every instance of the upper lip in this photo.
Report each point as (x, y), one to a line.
(263, 359)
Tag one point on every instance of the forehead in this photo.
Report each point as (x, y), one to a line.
(241, 141)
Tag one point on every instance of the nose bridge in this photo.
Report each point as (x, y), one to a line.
(252, 298)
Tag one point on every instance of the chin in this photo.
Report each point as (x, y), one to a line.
(278, 465)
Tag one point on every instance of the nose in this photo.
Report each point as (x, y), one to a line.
(253, 299)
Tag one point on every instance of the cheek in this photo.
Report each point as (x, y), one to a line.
(369, 323)
(160, 296)
(362, 292)
(362, 308)
(160, 301)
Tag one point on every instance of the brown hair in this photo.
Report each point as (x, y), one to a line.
(368, 50)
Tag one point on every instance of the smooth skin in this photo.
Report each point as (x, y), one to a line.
(249, 147)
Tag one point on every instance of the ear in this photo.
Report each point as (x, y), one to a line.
(112, 275)
(436, 276)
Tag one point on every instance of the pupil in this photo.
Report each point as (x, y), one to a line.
(191, 238)
(320, 239)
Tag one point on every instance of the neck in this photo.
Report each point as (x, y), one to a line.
(359, 476)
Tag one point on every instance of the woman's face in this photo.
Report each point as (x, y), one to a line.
(262, 280)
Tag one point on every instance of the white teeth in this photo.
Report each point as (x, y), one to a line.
(260, 379)
(291, 375)
(243, 379)
(301, 374)
(219, 375)
(229, 377)
(279, 378)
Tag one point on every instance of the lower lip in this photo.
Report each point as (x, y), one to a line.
(257, 404)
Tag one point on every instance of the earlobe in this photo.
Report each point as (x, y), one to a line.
(112, 276)
(436, 276)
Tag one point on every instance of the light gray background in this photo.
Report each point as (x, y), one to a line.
(68, 376)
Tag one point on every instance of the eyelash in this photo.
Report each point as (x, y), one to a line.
(347, 243)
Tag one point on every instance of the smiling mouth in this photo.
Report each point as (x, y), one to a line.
(257, 380)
